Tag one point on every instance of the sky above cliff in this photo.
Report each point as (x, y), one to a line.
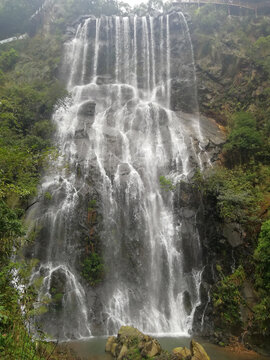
(135, 2)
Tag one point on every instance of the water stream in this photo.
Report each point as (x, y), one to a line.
(131, 81)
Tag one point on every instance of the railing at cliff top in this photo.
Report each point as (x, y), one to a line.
(252, 5)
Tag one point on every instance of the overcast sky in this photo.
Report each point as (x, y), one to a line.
(134, 2)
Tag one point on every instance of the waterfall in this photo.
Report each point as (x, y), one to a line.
(138, 73)
(96, 50)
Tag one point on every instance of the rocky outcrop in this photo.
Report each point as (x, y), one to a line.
(181, 353)
(130, 343)
(197, 351)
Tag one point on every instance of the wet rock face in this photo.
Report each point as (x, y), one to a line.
(87, 109)
(117, 138)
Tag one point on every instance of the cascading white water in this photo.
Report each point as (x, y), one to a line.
(126, 67)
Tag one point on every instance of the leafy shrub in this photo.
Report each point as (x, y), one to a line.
(8, 59)
(93, 269)
(244, 140)
(47, 196)
(92, 204)
(261, 53)
(166, 184)
(236, 197)
(227, 299)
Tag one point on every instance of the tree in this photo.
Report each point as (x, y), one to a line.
(261, 53)
(244, 140)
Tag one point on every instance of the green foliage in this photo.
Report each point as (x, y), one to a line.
(93, 269)
(236, 192)
(2, 78)
(16, 293)
(8, 59)
(260, 53)
(19, 172)
(10, 229)
(262, 279)
(233, 55)
(133, 353)
(72, 9)
(29, 91)
(244, 141)
(92, 204)
(227, 299)
(47, 196)
(28, 97)
(209, 20)
(262, 257)
(166, 184)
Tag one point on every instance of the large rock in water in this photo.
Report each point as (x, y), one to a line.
(182, 353)
(131, 341)
(198, 352)
(130, 344)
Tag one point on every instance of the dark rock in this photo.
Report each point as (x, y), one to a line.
(187, 302)
(234, 234)
(87, 109)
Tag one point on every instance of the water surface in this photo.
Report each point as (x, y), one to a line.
(93, 349)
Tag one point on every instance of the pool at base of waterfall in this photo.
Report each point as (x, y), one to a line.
(94, 349)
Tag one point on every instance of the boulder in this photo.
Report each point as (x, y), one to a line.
(182, 353)
(127, 333)
(197, 351)
(113, 349)
(123, 352)
(111, 340)
(130, 340)
(151, 348)
(234, 234)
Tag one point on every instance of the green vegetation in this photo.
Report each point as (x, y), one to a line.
(29, 90)
(227, 299)
(262, 280)
(260, 53)
(238, 192)
(166, 184)
(244, 141)
(8, 59)
(92, 204)
(93, 269)
(233, 57)
(15, 338)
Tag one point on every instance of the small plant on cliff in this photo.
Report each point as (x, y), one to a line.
(166, 184)
(92, 204)
(93, 269)
(47, 196)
